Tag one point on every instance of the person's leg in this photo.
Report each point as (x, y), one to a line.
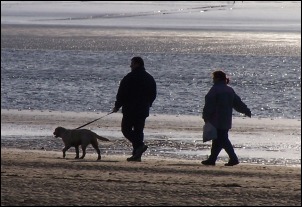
(222, 142)
(127, 130)
(139, 146)
(138, 131)
(132, 129)
(227, 145)
(215, 150)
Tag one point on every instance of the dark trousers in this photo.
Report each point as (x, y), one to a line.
(132, 129)
(222, 142)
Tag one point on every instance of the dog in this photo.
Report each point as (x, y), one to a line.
(77, 137)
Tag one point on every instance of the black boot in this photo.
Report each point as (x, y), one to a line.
(208, 162)
(232, 163)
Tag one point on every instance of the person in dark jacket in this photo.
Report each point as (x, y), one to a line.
(136, 94)
(218, 108)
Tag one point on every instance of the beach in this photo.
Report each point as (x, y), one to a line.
(36, 177)
(33, 171)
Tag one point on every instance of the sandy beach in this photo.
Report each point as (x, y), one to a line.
(43, 177)
(34, 177)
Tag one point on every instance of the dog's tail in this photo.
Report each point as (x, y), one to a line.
(102, 138)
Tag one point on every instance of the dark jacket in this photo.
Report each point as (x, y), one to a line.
(136, 93)
(219, 104)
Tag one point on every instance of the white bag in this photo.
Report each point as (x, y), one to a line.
(209, 132)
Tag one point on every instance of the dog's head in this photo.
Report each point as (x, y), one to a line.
(59, 131)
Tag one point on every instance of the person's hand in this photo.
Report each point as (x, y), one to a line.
(249, 113)
(114, 110)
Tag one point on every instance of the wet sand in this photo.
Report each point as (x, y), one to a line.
(35, 177)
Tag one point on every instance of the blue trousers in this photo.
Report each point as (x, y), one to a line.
(222, 142)
(132, 129)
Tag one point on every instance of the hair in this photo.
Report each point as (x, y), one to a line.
(220, 76)
(138, 60)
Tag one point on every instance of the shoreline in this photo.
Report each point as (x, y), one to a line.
(258, 141)
(162, 121)
(43, 178)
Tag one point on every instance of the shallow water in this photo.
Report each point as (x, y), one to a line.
(66, 80)
(253, 148)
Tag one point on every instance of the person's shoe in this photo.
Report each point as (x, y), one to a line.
(232, 163)
(207, 162)
(139, 151)
(134, 159)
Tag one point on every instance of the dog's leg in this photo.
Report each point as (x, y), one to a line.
(84, 151)
(64, 150)
(96, 147)
(77, 152)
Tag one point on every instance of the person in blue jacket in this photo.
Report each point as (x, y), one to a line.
(219, 104)
(136, 94)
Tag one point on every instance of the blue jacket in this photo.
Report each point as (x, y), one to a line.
(136, 93)
(219, 104)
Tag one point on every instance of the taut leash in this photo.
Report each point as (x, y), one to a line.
(95, 120)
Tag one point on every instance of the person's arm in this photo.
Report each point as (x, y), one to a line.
(153, 91)
(241, 107)
(120, 96)
(209, 106)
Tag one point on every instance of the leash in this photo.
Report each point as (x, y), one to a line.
(95, 120)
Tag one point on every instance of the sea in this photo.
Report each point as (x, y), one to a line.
(70, 56)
